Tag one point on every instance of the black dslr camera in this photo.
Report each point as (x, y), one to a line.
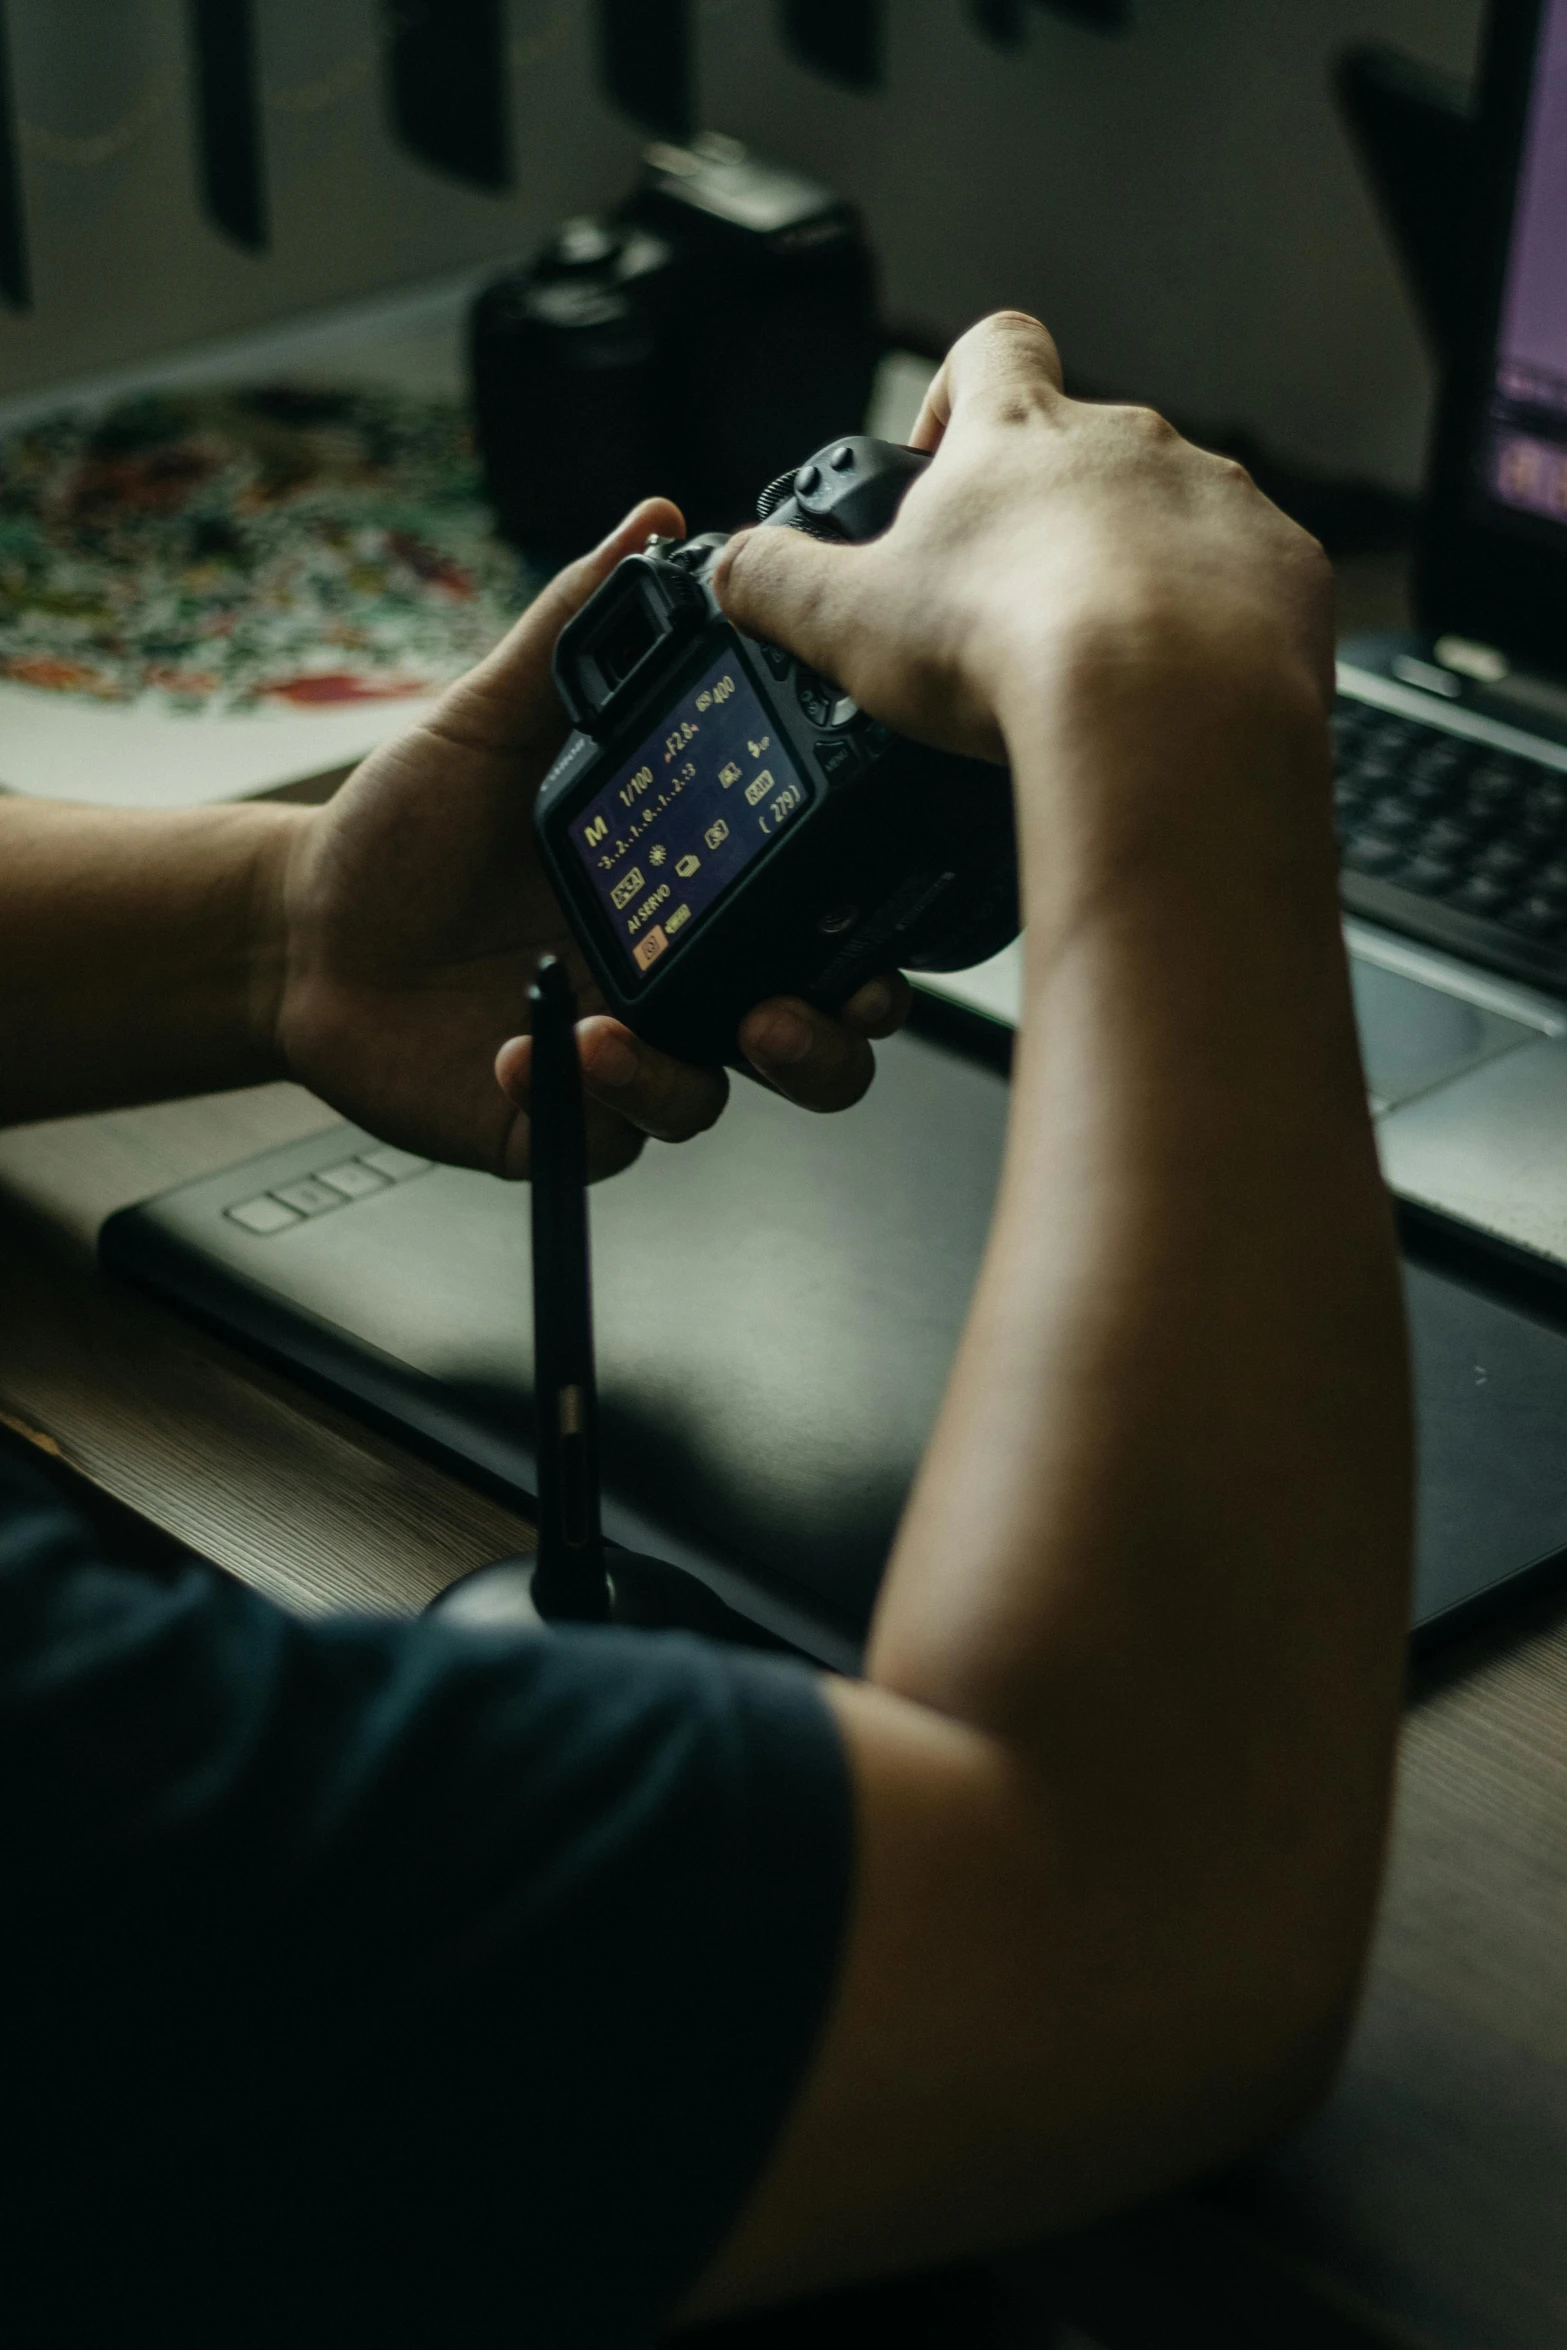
(725, 825)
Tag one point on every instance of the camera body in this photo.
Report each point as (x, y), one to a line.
(719, 320)
(571, 394)
(726, 825)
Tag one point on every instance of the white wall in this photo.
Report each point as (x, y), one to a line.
(124, 262)
(1179, 204)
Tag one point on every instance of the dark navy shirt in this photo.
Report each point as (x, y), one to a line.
(385, 1983)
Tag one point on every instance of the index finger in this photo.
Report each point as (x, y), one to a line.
(668, 1099)
(1007, 357)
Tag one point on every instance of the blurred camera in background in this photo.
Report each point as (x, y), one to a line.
(691, 344)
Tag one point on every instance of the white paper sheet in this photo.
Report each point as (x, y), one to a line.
(54, 747)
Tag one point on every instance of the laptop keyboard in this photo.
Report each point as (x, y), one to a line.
(1459, 843)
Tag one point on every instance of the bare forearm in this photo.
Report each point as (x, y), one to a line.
(1122, 1788)
(1147, 1602)
(139, 953)
(1161, 1540)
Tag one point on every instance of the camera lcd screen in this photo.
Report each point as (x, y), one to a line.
(688, 812)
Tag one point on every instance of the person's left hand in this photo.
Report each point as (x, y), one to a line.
(415, 909)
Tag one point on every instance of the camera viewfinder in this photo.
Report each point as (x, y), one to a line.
(614, 641)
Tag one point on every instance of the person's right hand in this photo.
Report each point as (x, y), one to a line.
(1151, 1587)
(1047, 533)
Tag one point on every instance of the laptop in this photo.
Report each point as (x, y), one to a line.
(778, 1303)
(1451, 779)
(1452, 744)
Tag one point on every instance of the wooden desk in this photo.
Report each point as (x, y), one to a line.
(247, 1468)
(1427, 2205)
(1429, 2202)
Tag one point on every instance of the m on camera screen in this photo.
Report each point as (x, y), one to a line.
(688, 812)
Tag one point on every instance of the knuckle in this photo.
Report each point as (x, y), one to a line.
(739, 548)
(753, 578)
(1148, 426)
(1017, 331)
(1019, 328)
(1320, 584)
(1314, 561)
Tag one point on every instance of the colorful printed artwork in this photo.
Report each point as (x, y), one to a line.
(244, 549)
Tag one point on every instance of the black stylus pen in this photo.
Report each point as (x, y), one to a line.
(570, 1579)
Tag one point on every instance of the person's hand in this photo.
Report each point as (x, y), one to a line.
(1047, 534)
(416, 908)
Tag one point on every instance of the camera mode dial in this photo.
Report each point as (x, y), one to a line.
(825, 704)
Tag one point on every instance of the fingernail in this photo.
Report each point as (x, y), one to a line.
(781, 1036)
(874, 1000)
(611, 1062)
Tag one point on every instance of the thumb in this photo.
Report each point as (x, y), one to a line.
(790, 590)
(509, 701)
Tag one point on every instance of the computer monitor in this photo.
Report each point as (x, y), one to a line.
(1494, 559)
(1522, 454)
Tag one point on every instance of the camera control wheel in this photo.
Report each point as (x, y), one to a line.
(825, 704)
